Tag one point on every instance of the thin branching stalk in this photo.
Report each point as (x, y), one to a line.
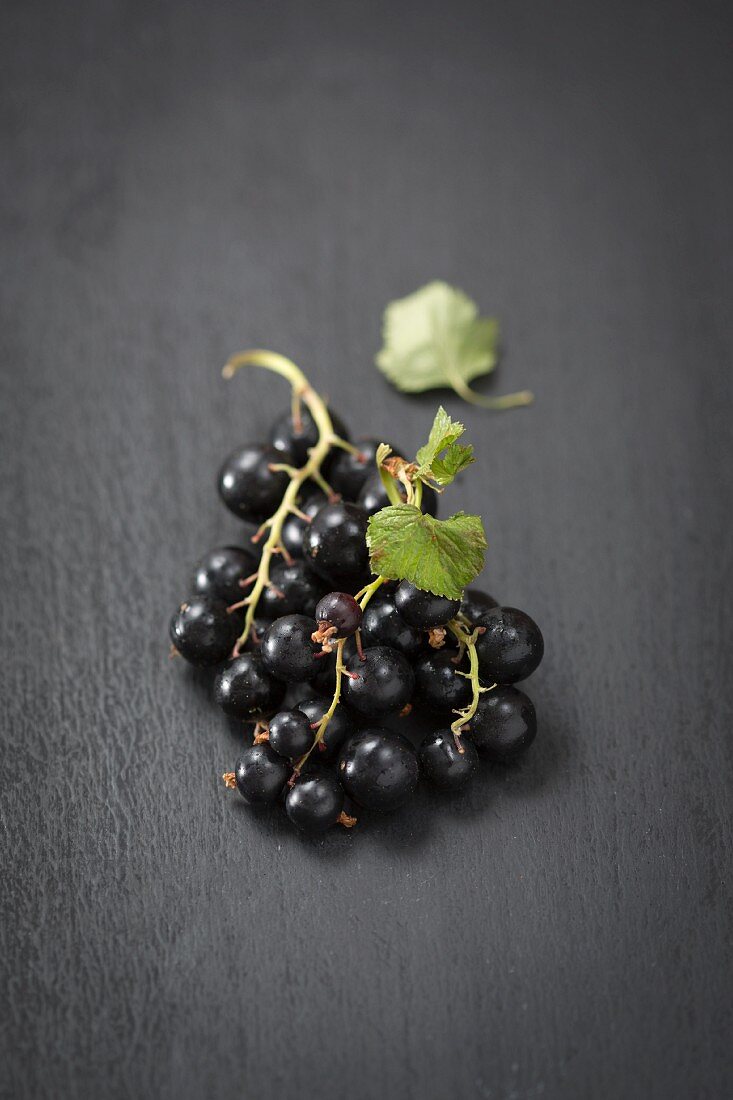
(327, 438)
(466, 638)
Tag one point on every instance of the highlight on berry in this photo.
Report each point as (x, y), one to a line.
(351, 607)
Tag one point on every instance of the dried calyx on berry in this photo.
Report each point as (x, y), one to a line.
(338, 615)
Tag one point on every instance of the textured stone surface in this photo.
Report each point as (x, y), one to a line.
(181, 180)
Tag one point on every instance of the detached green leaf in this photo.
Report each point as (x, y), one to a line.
(435, 337)
(433, 464)
(439, 556)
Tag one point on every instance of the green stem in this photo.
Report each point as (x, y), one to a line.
(390, 486)
(366, 593)
(323, 485)
(344, 445)
(508, 401)
(467, 639)
(323, 724)
(327, 438)
(279, 364)
(364, 596)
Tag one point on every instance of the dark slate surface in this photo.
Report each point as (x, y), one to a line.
(180, 180)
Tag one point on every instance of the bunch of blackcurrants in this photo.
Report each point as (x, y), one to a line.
(353, 663)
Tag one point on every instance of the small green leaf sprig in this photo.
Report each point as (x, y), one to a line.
(439, 556)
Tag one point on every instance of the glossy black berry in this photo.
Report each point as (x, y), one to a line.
(261, 774)
(511, 647)
(373, 496)
(203, 631)
(293, 590)
(442, 762)
(293, 527)
(290, 733)
(475, 603)
(244, 688)
(383, 683)
(288, 650)
(348, 472)
(219, 572)
(339, 611)
(337, 730)
(334, 544)
(378, 769)
(247, 485)
(505, 723)
(424, 609)
(438, 685)
(296, 442)
(382, 624)
(315, 802)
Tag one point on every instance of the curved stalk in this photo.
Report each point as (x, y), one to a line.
(390, 486)
(365, 594)
(467, 640)
(302, 390)
(323, 724)
(508, 401)
(341, 671)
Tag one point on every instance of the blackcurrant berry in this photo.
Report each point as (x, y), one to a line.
(383, 683)
(203, 631)
(334, 544)
(348, 472)
(424, 609)
(511, 647)
(288, 650)
(337, 730)
(296, 442)
(290, 733)
(373, 496)
(505, 723)
(261, 774)
(443, 764)
(219, 572)
(378, 769)
(291, 535)
(247, 485)
(475, 602)
(293, 590)
(383, 625)
(315, 802)
(438, 685)
(244, 688)
(338, 614)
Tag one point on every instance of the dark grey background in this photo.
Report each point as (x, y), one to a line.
(181, 180)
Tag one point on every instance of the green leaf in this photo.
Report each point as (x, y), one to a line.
(383, 451)
(456, 458)
(443, 436)
(443, 432)
(440, 556)
(432, 335)
(435, 337)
